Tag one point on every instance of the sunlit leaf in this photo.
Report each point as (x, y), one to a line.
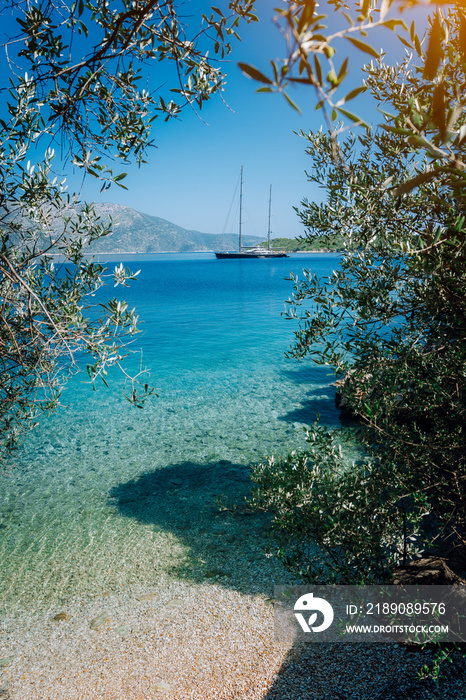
(365, 7)
(306, 15)
(342, 73)
(406, 43)
(417, 44)
(348, 18)
(392, 23)
(461, 134)
(462, 35)
(384, 8)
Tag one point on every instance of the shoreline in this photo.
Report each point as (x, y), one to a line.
(187, 252)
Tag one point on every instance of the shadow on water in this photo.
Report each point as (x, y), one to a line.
(204, 506)
(319, 400)
(301, 373)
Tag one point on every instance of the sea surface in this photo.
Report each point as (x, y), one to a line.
(213, 343)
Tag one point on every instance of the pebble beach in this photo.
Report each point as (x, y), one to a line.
(196, 643)
(202, 630)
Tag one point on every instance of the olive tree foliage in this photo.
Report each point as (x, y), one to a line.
(78, 92)
(391, 323)
(336, 519)
(313, 50)
(317, 38)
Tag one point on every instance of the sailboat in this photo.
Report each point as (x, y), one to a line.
(257, 251)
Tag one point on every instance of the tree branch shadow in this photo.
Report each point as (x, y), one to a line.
(204, 506)
(363, 671)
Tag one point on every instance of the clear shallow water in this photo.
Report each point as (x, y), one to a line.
(214, 342)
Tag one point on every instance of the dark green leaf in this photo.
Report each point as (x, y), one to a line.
(434, 51)
(439, 109)
(291, 103)
(351, 95)
(353, 117)
(318, 69)
(362, 46)
(408, 186)
(255, 74)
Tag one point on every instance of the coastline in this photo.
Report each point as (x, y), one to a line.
(184, 252)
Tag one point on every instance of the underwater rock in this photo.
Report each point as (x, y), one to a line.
(213, 573)
(100, 620)
(62, 616)
(160, 687)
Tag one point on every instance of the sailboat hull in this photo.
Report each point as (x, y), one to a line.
(252, 252)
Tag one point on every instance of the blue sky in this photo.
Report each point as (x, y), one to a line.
(191, 175)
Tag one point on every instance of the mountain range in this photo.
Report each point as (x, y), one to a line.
(134, 232)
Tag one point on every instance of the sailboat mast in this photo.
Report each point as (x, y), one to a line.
(270, 210)
(240, 209)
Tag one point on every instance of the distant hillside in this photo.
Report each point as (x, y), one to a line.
(142, 233)
(333, 243)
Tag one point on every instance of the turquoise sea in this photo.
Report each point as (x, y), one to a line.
(73, 515)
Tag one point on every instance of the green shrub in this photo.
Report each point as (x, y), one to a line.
(338, 520)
